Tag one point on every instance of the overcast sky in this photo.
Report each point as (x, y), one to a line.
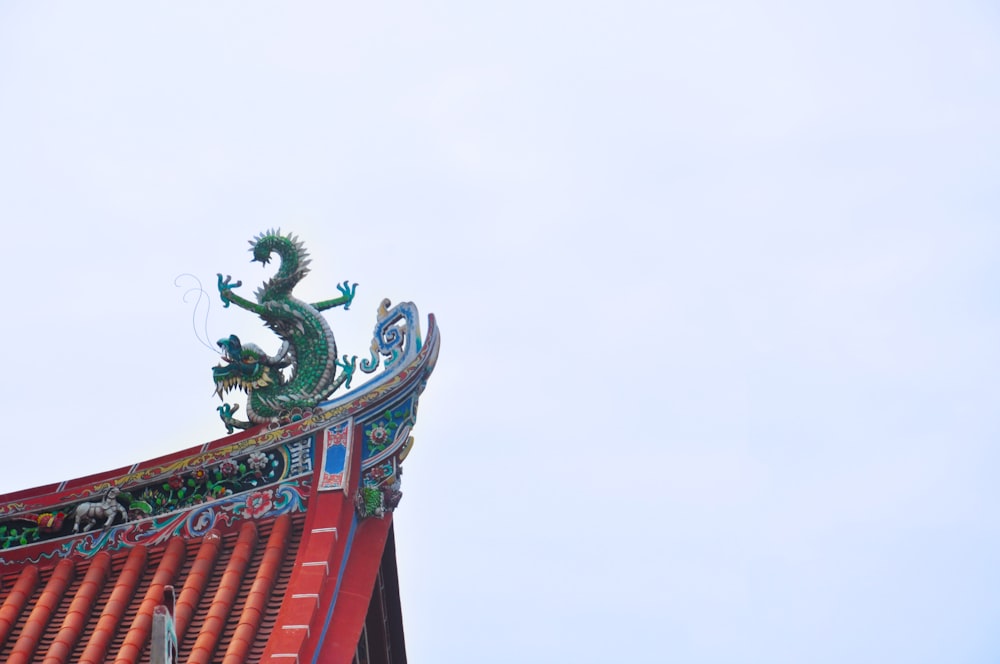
(717, 284)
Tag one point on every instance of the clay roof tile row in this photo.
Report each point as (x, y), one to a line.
(138, 633)
(260, 591)
(195, 584)
(24, 649)
(96, 610)
(79, 609)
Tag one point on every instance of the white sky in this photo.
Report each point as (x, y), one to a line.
(717, 285)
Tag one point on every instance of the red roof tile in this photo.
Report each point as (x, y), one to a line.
(194, 585)
(16, 599)
(24, 649)
(256, 602)
(79, 609)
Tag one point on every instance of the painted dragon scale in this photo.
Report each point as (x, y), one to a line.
(308, 349)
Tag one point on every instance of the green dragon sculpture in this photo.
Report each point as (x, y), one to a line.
(308, 346)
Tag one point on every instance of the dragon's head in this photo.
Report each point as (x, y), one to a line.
(246, 367)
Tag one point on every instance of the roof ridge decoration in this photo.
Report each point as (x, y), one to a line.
(261, 484)
(308, 347)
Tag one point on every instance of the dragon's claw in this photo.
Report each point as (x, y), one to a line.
(226, 412)
(226, 285)
(348, 365)
(347, 289)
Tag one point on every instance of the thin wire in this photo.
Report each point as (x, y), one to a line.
(194, 312)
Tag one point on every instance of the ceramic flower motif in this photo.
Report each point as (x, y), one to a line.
(259, 503)
(379, 436)
(50, 522)
(257, 461)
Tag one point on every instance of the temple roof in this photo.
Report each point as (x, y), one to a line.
(268, 542)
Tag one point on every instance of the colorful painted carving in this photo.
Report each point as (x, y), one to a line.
(308, 348)
(379, 492)
(93, 514)
(244, 483)
(386, 441)
(397, 334)
(336, 462)
(284, 498)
